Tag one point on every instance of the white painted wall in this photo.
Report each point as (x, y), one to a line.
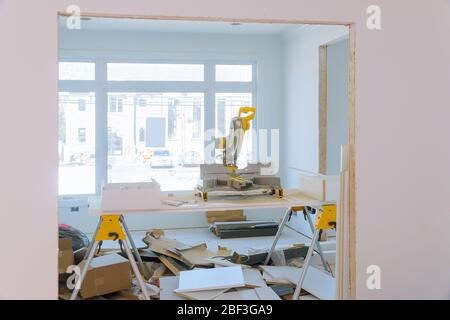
(301, 104)
(337, 103)
(402, 172)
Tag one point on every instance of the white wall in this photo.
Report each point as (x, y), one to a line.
(337, 103)
(301, 105)
(402, 171)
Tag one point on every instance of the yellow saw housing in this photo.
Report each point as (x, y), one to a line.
(233, 143)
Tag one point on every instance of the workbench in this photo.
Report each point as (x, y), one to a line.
(291, 198)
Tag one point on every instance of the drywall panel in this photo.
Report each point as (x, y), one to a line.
(211, 279)
(402, 122)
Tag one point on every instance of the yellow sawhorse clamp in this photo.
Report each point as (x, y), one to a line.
(325, 219)
(112, 227)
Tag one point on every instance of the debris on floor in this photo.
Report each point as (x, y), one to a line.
(175, 270)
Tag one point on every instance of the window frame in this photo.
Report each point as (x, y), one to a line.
(101, 87)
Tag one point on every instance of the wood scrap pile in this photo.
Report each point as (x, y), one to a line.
(198, 273)
(175, 270)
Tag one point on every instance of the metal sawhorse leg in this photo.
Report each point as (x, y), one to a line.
(307, 211)
(326, 219)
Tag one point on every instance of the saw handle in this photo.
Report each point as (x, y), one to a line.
(251, 111)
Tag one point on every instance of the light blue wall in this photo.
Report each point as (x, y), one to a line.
(300, 135)
(337, 103)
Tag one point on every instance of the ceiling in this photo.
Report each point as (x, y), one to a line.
(176, 26)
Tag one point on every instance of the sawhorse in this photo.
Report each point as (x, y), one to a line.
(111, 227)
(325, 219)
(307, 212)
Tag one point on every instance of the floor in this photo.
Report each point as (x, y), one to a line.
(192, 236)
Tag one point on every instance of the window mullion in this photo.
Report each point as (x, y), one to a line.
(101, 125)
(209, 113)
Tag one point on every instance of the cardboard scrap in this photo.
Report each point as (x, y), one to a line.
(157, 233)
(65, 254)
(106, 274)
(223, 251)
(195, 255)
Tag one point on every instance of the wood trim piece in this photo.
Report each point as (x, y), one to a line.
(352, 162)
(208, 19)
(323, 108)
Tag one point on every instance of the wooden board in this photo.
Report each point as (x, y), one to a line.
(323, 113)
(242, 294)
(253, 278)
(225, 215)
(211, 279)
(275, 281)
(317, 282)
(201, 295)
(175, 266)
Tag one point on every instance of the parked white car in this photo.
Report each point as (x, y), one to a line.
(161, 158)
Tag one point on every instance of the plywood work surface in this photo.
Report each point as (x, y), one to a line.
(195, 204)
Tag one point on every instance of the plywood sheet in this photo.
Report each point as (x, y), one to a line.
(211, 279)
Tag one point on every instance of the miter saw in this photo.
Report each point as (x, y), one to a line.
(226, 179)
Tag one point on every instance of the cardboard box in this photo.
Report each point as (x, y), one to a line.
(106, 274)
(65, 254)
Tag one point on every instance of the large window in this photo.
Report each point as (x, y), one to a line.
(146, 120)
(76, 143)
(149, 147)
